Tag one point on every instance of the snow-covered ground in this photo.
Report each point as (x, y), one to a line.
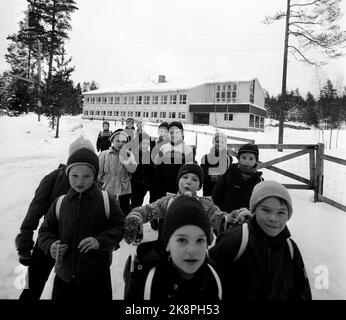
(29, 151)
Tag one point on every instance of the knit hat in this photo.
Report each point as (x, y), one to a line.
(191, 168)
(83, 156)
(118, 131)
(176, 124)
(266, 189)
(184, 211)
(164, 125)
(105, 122)
(129, 119)
(80, 143)
(249, 147)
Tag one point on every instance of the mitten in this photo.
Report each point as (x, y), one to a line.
(24, 245)
(133, 226)
(235, 218)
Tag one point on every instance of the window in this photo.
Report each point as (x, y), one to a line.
(117, 100)
(228, 117)
(123, 113)
(146, 99)
(116, 113)
(223, 96)
(252, 120)
(229, 88)
(164, 99)
(138, 99)
(109, 113)
(162, 114)
(146, 114)
(224, 87)
(130, 113)
(261, 122)
(104, 99)
(132, 100)
(234, 94)
(85, 112)
(257, 122)
(87, 100)
(173, 99)
(218, 88)
(110, 100)
(228, 96)
(137, 113)
(92, 112)
(103, 113)
(93, 100)
(125, 100)
(252, 91)
(154, 114)
(182, 98)
(172, 115)
(97, 113)
(155, 99)
(217, 96)
(183, 115)
(98, 100)
(234, 87)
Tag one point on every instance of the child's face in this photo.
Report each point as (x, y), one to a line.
(145, 145)
(118, 141)
(81, 177)
(271, 215)
(247, 159)
(220, 142)
(106, 126)
(175, 134)
(139, 125)
(129, 125)
(188, 182)
(163, 132)
(188, 249)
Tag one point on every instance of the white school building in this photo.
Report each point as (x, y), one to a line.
(222, 103)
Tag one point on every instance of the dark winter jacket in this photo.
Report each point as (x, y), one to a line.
(103, 142)
(81, 216)
(51, 186)
(168, 286)
(232, 191)
(210, 178)
(265, 271)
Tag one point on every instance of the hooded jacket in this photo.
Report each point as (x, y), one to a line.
(232, 191)
(266, 269)
(81, 216)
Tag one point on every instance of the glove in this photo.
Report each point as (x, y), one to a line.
(235, 218)
(24, 245)
(133, 227)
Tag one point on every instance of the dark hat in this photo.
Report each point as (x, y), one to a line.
(176, 124)
(266, 189)
(105, 122)
(191, 168)
(130, 119)
(118, 131)
(184, 211)
(164, 125)
(249, 147)
(83, 156)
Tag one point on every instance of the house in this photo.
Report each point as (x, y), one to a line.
(222, 103)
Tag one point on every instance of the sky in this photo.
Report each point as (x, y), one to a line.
(132, 41)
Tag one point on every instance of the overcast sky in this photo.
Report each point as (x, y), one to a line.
(131, 41)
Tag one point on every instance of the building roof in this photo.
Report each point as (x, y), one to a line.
(158, 86)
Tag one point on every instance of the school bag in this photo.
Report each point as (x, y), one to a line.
(245, 240)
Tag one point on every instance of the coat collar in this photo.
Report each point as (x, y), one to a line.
(89, 193)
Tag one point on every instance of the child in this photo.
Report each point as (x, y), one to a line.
(172, 156)
(81, 236)
(184, 273)
(103, 142)
(130, 128)
(115, 170)
(234, 188)
(39, 264)
(271, 266)
(189, 180)
(215, 163)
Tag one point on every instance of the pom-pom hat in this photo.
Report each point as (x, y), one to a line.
(83, 156)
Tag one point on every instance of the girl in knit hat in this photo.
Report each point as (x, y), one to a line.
(215, 163)
(103, 142)
(189, 181)
(259, 261)
(184, 274)
(79, 232)
(233, 190)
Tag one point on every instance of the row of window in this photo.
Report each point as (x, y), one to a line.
(226, 96)
(226, 87)
(138, 114)
(256, 121)
(156, 99)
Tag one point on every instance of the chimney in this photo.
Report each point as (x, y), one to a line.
(162, 78)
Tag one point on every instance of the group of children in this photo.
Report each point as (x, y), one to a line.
(252, 258)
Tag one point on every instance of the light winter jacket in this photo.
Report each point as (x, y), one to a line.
(114, 174)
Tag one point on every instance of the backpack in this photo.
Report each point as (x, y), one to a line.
(245, 240)
(105, 202)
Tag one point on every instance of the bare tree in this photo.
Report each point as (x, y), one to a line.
(310, 25)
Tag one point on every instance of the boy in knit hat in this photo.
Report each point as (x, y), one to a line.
(103, 142)
(233, 190)
(189, 181)
(39, 264)
(269, 266)
(80, 235)
(184, 274)
(215, 163)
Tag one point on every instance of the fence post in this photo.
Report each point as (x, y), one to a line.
(319, 173)
(312, 166)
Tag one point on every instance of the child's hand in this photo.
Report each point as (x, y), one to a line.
(57, 250)
(87, 244)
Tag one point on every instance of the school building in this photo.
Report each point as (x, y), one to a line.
(222, 103)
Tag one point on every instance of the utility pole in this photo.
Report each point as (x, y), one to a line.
(284, 77)
(39, 103)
